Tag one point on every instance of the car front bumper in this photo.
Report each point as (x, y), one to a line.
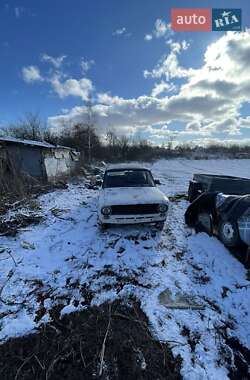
(132, 219)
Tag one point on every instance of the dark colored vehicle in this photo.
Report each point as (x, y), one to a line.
(217, 183)
(227, 216)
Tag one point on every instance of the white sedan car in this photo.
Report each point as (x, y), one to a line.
(129, 195)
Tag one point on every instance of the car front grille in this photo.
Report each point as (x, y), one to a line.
(141, 209)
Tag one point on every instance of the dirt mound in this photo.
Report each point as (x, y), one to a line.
(108, 342)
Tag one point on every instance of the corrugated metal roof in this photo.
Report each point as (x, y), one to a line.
(27, 142)
(42, 144)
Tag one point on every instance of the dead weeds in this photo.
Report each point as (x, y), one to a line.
(12, 226)
(107, 342)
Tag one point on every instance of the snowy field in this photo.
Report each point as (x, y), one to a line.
(54, 261)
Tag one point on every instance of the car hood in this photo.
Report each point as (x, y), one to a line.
(131, 195)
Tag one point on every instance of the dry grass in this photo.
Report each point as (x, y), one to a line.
(111, 341)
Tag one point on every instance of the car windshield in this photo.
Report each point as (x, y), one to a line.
(128, 178)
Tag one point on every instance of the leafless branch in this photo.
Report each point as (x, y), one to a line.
(10, 254)
(104, 343)
(82, 357)
(22, 365)
(40, 364)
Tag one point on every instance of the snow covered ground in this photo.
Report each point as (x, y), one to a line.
(67, 260)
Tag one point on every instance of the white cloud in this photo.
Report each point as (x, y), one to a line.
(121, 32)
(61, 84)
(72, 87)
(145, 110)
(177, 46)
(228, 125)
(148, 37)
(86, 65)
(207, 104)
(169, 66)
(244, 122)
(161, 29)
(162, 87)
(31, 74)
(55, 61)
(193, 126)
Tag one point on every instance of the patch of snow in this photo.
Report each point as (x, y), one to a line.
(72, 260)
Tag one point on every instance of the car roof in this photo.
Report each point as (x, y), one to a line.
(118, 167)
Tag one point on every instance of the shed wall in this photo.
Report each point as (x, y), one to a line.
(40, 162)
(27, 159)
(58, 163)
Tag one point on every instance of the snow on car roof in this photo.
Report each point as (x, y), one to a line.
(126, 167)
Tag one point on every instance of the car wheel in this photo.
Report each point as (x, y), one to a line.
(204, 223)
(160, 226)
(229, 234)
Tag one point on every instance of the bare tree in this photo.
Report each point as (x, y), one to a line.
(90, 128)
(30, 127)
(124, 145)
(51, 137)
(111, 138)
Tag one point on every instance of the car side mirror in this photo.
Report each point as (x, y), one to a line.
(157, 182)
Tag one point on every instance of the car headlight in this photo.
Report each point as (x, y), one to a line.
(162, 208)
(106, 210)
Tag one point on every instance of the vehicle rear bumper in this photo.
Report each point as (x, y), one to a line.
(244, 231)
(132, 219)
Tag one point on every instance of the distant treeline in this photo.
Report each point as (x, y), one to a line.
(84, 138)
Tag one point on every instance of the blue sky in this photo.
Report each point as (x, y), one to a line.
(54, 54)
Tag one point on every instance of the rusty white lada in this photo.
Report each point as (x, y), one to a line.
(129, 195)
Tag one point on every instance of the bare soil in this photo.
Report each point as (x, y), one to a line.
(112, 341)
